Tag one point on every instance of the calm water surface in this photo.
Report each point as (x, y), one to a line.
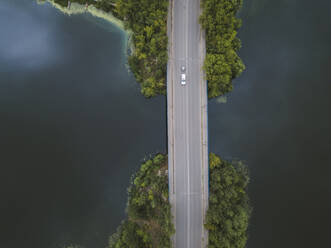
(74, 126)
(278, 120)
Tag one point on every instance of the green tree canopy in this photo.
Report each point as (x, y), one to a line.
(229, 210)
(222, 64)
(149, 218)
(148, 21)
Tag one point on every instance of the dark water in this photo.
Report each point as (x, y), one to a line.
(278, 120)
(73, 127)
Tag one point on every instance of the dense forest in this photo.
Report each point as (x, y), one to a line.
(149, 218)
(148, 21)
(106, 5)
(222, 63)
(229, 210)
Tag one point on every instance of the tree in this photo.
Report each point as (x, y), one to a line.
(222, 64)
(147, 20)
(149, 215)
(229, 210)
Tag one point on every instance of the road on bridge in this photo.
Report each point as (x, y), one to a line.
(187, 125)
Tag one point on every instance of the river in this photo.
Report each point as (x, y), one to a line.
(74, 126)
(277, 120)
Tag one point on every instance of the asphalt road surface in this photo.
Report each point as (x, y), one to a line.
(187, 125)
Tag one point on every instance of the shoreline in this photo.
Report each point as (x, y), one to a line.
(76, 9)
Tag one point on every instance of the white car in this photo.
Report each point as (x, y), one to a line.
(183, 79)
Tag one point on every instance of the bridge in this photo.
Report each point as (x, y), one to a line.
(187, 125)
